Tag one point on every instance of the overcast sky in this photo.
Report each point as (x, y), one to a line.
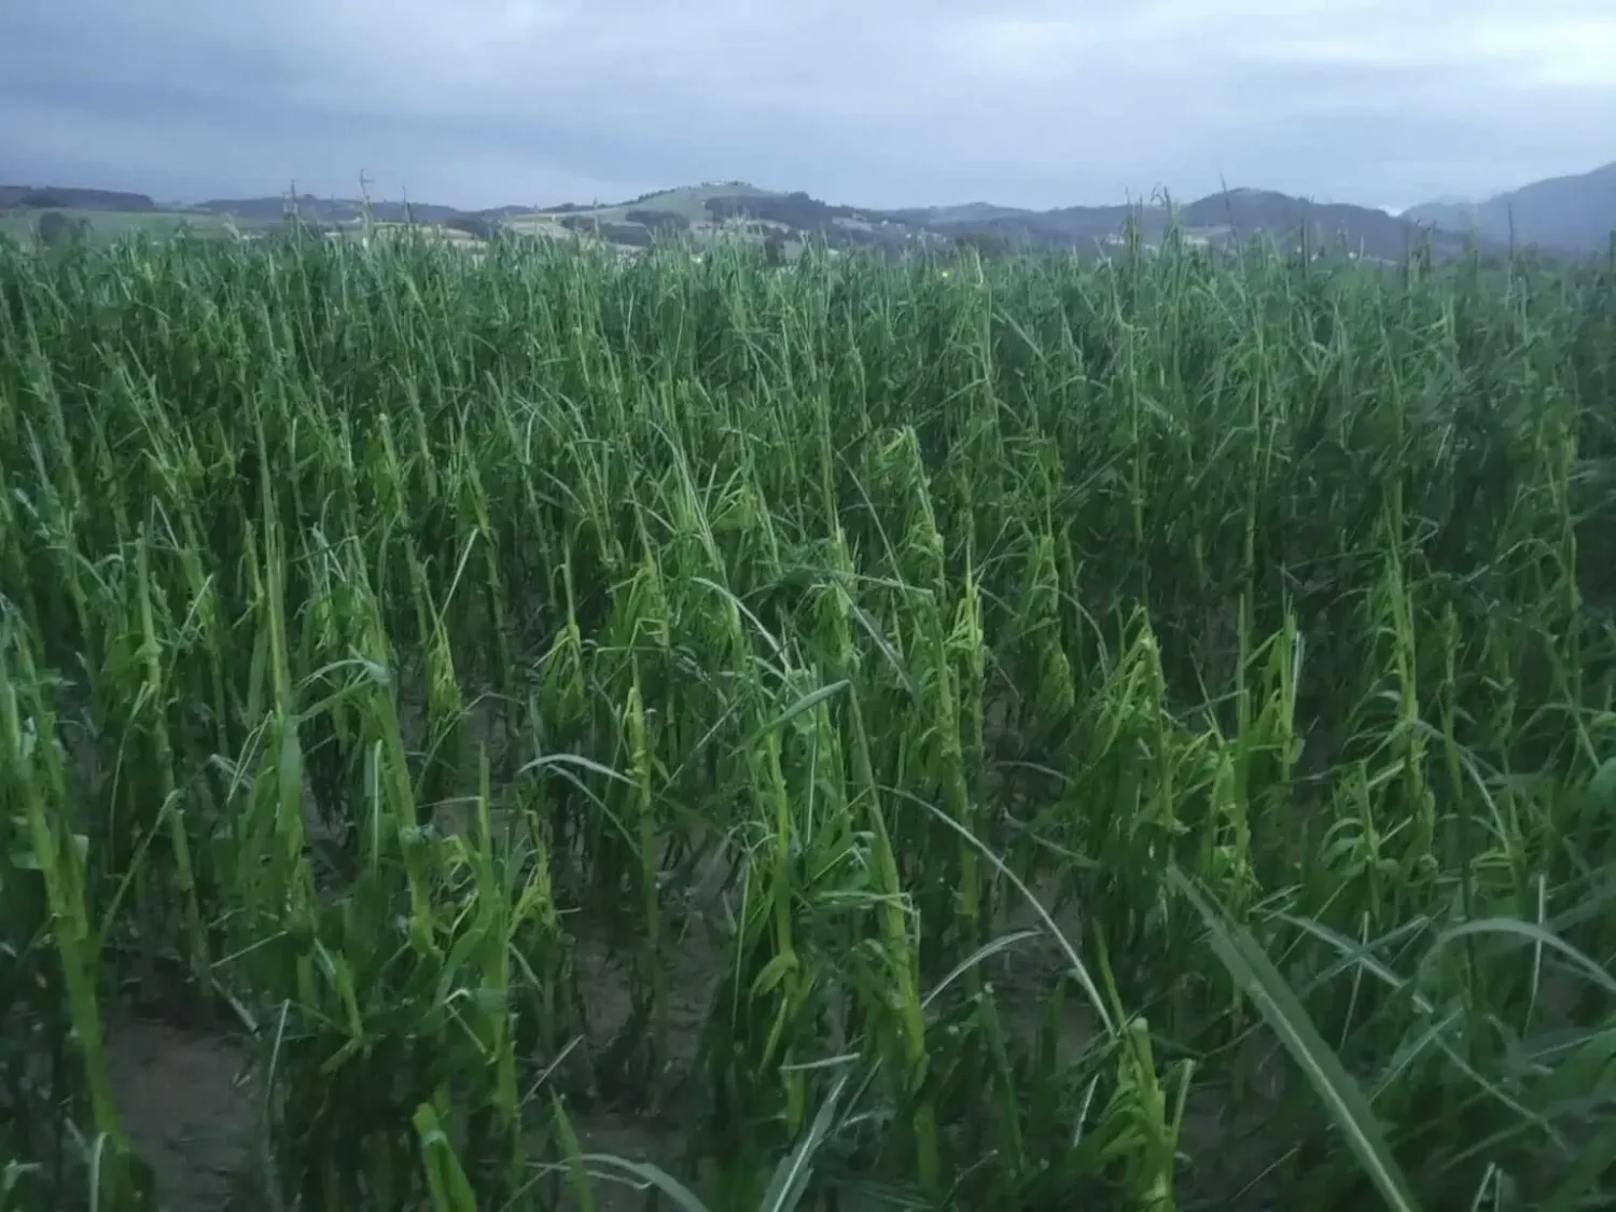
(885, 102)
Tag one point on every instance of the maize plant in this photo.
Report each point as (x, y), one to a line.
(1029, 732)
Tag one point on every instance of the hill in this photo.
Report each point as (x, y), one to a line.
(1573, 214)
(1070, 226)
(1361, 229)
(701, 211)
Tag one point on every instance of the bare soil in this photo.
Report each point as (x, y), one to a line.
(188, 1105)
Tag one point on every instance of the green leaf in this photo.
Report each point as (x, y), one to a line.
(873, 630)
(653, 1175)
(1255, 973)
(1602, 787)
(774, 972)
(790, 1178)
(451, 1190)
(1529, 932)
(807, 702)
(577, 1175)
(574, 759)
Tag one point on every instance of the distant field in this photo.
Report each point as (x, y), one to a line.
(106, 225)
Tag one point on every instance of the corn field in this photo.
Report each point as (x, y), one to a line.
(680, 734)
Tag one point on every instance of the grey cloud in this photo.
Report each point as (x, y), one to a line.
(494, 101)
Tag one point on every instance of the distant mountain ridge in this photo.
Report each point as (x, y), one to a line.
(780, 217)
(1571, 214)
(1568, 215)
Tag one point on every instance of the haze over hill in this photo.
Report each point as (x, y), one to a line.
(1574, 214)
